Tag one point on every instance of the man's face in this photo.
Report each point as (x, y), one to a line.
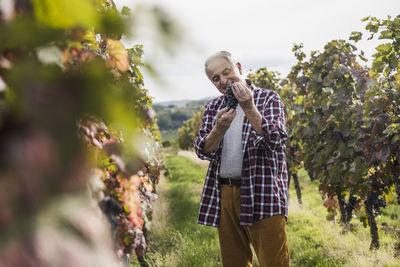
(222, 73)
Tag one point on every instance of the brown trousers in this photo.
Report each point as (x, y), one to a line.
(267, 236)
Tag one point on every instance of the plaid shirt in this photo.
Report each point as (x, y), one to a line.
(263, 190)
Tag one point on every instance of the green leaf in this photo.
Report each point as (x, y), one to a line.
(363, 58)
(299, 100)
(126, 208)
(66, 13)
(365, 19)
(378, 64)
(393, 61)
(126, 11)
(396, 22)
(395, 139)
(386, 34)
(113, 168)
(384, 48)
(372, 27)
(355, 36)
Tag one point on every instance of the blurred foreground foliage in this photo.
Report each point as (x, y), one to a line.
(73, 113)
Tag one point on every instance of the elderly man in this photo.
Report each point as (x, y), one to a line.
(245, 192)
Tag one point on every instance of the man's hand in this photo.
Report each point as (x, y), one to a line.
(245, 98)
(224, 119)
(243, 95)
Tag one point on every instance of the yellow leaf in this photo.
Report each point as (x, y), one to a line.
(118, 55)
(66, 13)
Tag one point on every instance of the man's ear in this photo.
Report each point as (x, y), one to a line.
(239, 66)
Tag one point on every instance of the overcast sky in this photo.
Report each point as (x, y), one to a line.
(259, 33)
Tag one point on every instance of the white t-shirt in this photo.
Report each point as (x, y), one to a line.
(232, 153)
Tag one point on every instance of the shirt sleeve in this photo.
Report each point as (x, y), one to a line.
(273, 125)
(204, 130)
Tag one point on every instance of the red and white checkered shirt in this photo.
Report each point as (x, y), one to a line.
(263, 190)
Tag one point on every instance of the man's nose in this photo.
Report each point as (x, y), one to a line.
(224, 81)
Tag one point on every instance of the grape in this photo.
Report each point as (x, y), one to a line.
(375, 202)
(230, 98)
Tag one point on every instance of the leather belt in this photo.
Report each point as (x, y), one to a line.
(230, 181)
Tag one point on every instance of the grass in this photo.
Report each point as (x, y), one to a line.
(175, 238)
(314, 241)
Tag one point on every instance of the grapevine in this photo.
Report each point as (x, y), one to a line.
(72, 72)
(343, 122)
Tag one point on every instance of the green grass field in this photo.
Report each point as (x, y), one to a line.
(175, 238)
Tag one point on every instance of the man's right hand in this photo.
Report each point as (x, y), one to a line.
(224, 119)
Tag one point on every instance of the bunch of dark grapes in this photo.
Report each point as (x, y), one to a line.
(375, 202)
(230, 98)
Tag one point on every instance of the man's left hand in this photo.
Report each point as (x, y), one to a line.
(243, 95)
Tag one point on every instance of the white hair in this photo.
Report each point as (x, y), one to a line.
(220, 54)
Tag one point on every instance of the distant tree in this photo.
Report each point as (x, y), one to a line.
(187, 133)
(164, 121)
(171, 117)
(179, 116)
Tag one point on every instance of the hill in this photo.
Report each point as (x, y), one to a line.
(172, 114)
